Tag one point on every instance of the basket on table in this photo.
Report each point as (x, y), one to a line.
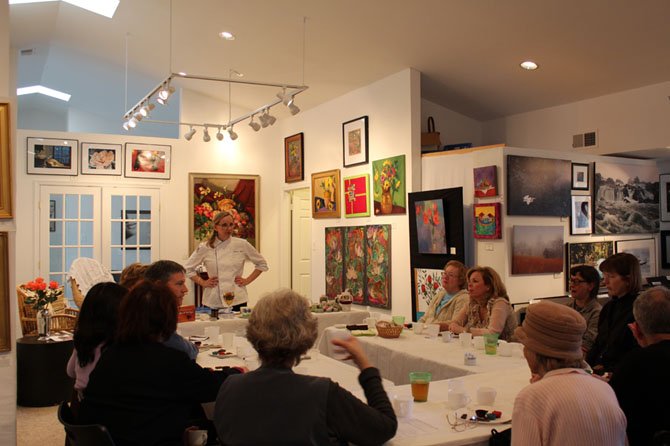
(388, 329)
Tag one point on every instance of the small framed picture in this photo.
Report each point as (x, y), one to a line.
(644, 250)
(101, 159)
(294, 158)
(326, 194)
(355, 142)
(357, 196)
(52, 156)
(148, 161)
(665, 249)
(581, 215)
(580, 176)
(664, 185)
(486, 221)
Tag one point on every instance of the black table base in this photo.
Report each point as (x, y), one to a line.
(40, 372)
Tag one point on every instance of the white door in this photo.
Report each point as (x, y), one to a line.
(301, 242)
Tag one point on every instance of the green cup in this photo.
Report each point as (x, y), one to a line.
(491, 343)
(420, 382)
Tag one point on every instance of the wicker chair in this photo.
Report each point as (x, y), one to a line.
(62, 318)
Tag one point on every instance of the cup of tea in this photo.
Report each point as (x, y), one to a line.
(419, 382)
(491, 343)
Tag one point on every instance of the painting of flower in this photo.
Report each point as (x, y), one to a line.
(213, 193)
(430, 226)
(427, 283)
(389, 185)
(326, 194)
(486, 220)
(334, 245)
(357, 196)
(354, 262)
(101, 159)
(378, 254)
(486, 181)
(294, 158)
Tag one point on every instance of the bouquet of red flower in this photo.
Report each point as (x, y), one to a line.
(43, 294)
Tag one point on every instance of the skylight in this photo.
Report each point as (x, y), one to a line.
(105, 8)
(43, 90)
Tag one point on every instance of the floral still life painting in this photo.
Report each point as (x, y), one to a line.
(486, 181)
(334, 245)
(378, 251)
(486, 220)
(294, 158)
(427, 283)
(389, 185)
(326, 194)
(213, 193)
(357, 196)
(354, 262)
(430, 227)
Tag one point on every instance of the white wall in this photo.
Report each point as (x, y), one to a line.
(629, 120)
(454, 128)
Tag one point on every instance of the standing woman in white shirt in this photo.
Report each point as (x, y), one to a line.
(223, 257)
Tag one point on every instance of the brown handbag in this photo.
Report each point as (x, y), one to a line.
(431, 137)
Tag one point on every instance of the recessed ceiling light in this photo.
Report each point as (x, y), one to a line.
(181, 73)
(227, 35)
(528, 65)
(105, 8)
(43, 90)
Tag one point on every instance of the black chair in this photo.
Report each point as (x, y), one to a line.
(82, 434)
(661, 438)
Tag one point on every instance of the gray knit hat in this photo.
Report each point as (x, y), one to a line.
(552, 330)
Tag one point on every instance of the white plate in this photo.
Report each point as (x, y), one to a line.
(227, 355)
(504, 419)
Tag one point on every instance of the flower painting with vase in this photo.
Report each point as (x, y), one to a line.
(389, 185)
(40, 296)
(430, 227)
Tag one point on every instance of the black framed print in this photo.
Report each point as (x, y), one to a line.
(664, 186)
(665, 246)
(580, 176)
(355, 142)
(581, 221)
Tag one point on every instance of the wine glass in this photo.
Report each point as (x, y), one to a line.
(228, 298)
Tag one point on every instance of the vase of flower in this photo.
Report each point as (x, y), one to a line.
(43, 324)
(386, 203)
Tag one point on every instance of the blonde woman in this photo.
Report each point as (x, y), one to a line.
(489, 309)
(223, 257)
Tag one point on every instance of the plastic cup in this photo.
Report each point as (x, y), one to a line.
(432, 330)
(419, 382)
(403, 406)
(491, 343)
(466, 339)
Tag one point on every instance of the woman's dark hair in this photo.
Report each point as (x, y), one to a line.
(97, 320)
(147, 314)
(590, 275)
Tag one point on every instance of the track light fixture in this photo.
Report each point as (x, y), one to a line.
(271, 119)
(232, 134)
(294, 109)
(254, 125)
(188, 135)
(205, 135)
(219, 135)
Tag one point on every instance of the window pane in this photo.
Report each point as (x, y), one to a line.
(70, 255)
(131, 204)
(131, 256)
(131, 233)
(71, 206)
(71, 233)
(87, 206)
(117, 228)
(86, 232)
(56, 259)
(117, 206)
(145, 233)
(55, 233)
(57, 205)
(86, 252)
(145, 207)
(145, 256)
(117, 259)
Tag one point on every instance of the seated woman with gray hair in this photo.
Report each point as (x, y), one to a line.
(273, 405)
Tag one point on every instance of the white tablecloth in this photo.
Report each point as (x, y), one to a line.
(395, 358)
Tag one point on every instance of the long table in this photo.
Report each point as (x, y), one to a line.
(395, 358)
(238, 325)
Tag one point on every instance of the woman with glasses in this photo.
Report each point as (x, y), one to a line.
(623, 281)
(584, 284)
(451, 299)
(224, 256)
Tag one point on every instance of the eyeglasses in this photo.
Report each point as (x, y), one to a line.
(577, 281)
(462, 423)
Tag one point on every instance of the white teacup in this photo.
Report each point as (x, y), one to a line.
(457, 399)
(456, 385)
(196, 437)
(504, 348)
(339, 352)
(486, 396)
(466, 339)
(403, 405)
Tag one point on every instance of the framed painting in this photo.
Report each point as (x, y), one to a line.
(294, 158)
(537, 249)
(5, 164)
(148, 161)
(664, 195)
(427, 283)
(644, 250)
(589, 253)
(580, 215)
(486, 181)
(5, 339)
(357, 196)
(355, 142)
(52, 156)
(101, 159)
(665, 249)
(626, 199)
(389, 185)
(326, 194)
(211, 193)
(354, 262)
(486, 221)
(431, 230)
(580, 176)
(334, 248)
(538, 186)
(378, 255)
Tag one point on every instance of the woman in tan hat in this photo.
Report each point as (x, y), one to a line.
(489, 310)
(563, 404)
